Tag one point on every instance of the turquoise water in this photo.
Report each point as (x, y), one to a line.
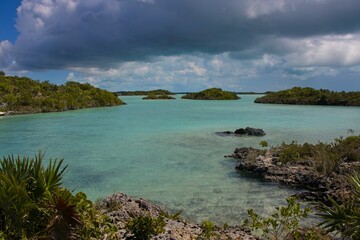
(168, 152)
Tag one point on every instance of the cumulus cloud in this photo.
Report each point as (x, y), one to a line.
(5, 53)
(59, 34)
(333, 50)
(154, 43)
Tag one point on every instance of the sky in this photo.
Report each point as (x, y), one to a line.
(184, 45)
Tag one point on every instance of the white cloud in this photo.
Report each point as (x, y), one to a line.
(5, 53)
(256, 8)
(70, 77)
(333, 50)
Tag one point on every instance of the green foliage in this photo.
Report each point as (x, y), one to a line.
(2, 74)
(144, 227)
(344, 218)
(310, 96)
(348, 148)
(151, 92)
(208, 228)
(175, 216)
(212, 94)
(264, 144)
(323, 157)
(94, 224)
(24, 95)
(310, 233)
(281, 224)
(34, 205)
(157, 97)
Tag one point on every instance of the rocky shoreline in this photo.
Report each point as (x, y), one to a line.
(318, 187)
(121, 208)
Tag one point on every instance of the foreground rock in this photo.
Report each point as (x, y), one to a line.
(248, 131)
(122, 208)
(317, 186)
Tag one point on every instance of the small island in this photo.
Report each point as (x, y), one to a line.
(158, 97)
(156, 92)
(21, 95)
(310, 96)
(212, 94)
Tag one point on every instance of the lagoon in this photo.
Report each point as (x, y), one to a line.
(168, 151)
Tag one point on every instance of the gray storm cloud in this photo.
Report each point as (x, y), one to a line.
(57, 34)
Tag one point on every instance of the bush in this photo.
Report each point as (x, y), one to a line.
(282, 224)
(263, 144)
(323, 157)
(207, 230)
(144, 227)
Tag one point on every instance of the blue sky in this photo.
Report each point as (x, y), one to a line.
(184, 45)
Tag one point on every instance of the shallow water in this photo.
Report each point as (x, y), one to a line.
(167, 150)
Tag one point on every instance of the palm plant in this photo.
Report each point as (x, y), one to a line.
(344, 218)
(32, 203)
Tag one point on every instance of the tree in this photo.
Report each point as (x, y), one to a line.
(2, 73)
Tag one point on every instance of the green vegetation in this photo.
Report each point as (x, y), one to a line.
(310, 96)
(157, 97)
(144, 227)
(344, 218)
(34, 205)
(212, 94)
(323, 157)
(263, 144)
(281, 224)
(20, 95)
(208, 228)
(151, 92)
(284, 224)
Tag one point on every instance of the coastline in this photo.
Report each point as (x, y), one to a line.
(317, 187)
(122, 208)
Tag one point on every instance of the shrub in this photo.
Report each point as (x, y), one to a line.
(144, 227)
(324, 158)
(207, 230)
(289, 153)
(263, 144)
(284, 222)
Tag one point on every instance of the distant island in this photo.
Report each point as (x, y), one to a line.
(212, 94)
(158, 97)
(156, 92)
(310, 96)
(21, 95)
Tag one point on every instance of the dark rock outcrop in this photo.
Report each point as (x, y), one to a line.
(248, 131)
(316, 186)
